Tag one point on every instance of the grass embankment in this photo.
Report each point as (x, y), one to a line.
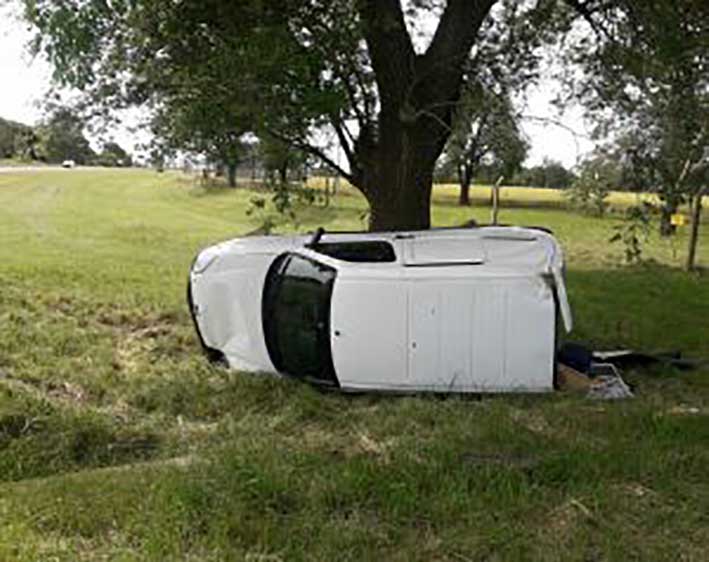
(118, 442)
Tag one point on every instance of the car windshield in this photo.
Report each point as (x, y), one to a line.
(296, 317)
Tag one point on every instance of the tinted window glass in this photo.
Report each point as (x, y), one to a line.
(369, 251)
(296, 317)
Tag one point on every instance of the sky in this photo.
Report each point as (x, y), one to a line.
(27, 79)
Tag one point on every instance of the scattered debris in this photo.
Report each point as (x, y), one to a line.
(638, 490)
(532, 420)
(579, 370)
(369, 445)
(67, 391)
(581, 507)
(568, 515)
(684, 410)
(609, 388)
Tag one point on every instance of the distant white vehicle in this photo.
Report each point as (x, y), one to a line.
(447, 310)
(68, 164)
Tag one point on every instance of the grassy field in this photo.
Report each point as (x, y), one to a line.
(118, 442)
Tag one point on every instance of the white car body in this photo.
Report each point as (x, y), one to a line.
(457, 310)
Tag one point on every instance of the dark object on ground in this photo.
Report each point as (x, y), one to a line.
(576, 356)
(629, 359)
(582, 358)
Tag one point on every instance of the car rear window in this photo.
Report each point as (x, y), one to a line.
(369, 251)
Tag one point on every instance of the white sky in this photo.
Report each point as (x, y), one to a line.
(27, 79)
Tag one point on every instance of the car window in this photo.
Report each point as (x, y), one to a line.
(296, 317)
(369, 251)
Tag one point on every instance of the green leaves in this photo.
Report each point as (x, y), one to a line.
(634, 231)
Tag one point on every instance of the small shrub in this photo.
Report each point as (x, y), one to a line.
(634, 231)
(589, 192)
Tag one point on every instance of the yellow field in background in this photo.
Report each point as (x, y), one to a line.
(513, 196)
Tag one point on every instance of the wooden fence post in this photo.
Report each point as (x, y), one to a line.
(694, 232)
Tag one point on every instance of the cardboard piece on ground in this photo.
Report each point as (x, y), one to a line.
(572, 380)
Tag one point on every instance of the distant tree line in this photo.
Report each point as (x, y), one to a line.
(57, 138)
(549, 174)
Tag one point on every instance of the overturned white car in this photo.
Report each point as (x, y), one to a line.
(447, 310)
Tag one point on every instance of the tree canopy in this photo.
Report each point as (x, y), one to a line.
(291, 68)
(646, 84)
(366, 70)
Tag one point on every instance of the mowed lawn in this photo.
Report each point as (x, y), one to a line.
(119, 442)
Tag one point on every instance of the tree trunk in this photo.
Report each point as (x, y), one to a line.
(396, 155)
(694, 232)
(666, 226)
(409, 209)
(465, 177)
(283, 173)
(495, 194)
(231, 174)
(399, 180)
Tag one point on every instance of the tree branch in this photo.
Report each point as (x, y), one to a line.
(389, 46)
(313, 150)
(456, 32)
(342, 132)
(586, 13)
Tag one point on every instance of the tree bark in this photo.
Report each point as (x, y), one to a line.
(395, 157)
(283, 173)
(231, 174)
(666, 226)
(400, 179)
(407, 208)
(465, 177)
(694, 232)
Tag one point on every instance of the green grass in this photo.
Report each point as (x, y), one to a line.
(118, 441)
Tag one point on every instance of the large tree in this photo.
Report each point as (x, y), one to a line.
(298, 66)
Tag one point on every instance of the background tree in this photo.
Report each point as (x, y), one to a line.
(12, 135)
(646, 78)
(549, 173)
(201, 121)
(113, 155)
(485, 131)
(504, 63)
(279, 159)
(61, 137)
